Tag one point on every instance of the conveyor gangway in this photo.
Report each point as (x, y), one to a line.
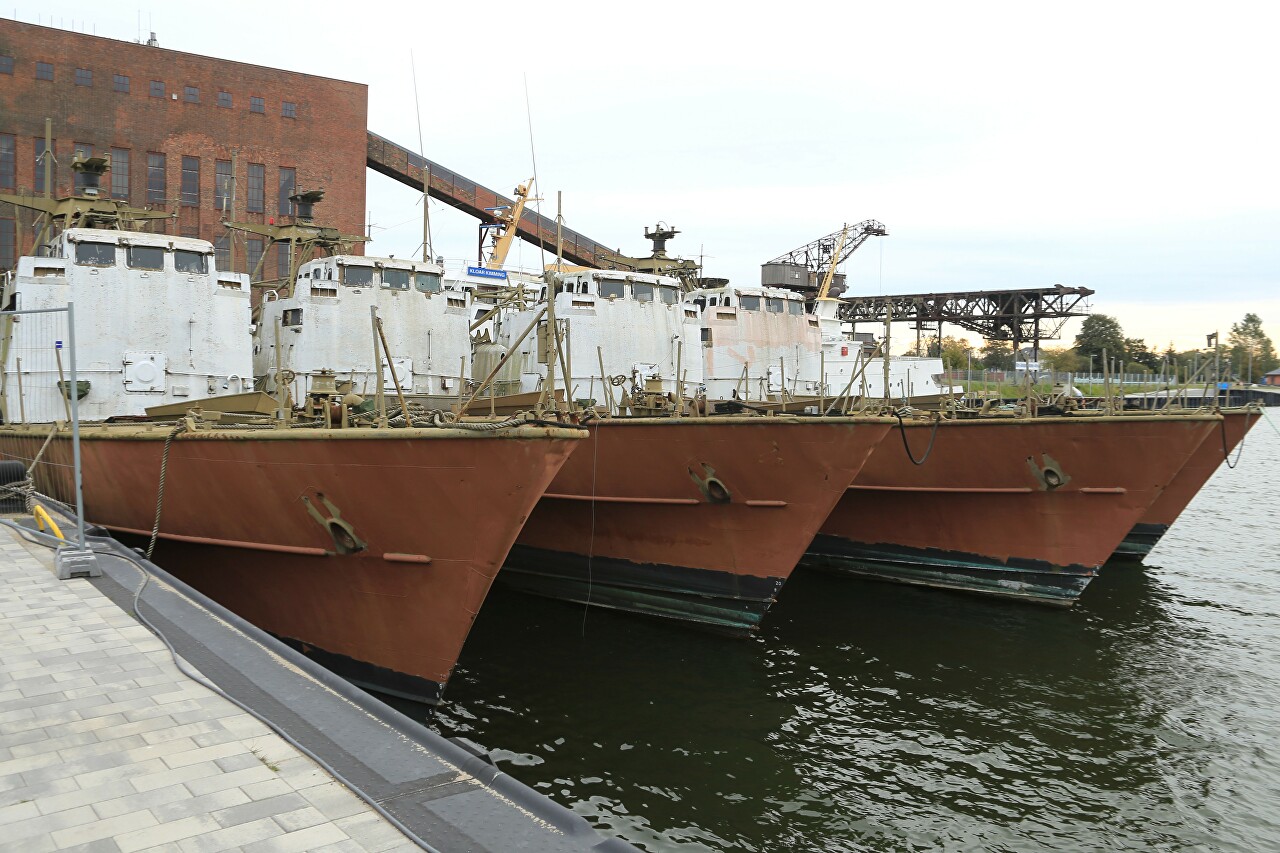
(397, 162)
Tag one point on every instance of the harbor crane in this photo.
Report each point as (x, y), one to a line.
(811, 267)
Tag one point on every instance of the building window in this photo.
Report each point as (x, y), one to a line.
(6, 64)
(44, 71)
(256, 202)
(120, 173)
(157, 88)
(156, 182)
(253, 256)
(282, 260)
(190, 191)
(257, 105)
(38, 183)
(83, 151)
(289, 109)
(8, 243)
(224, 99)
(222, 186)
(120, 83)
(222, 253)
(8, 166)
(191, 94)
(84, 77)
(288, 187)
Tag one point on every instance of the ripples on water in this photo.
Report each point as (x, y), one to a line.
(869, 716)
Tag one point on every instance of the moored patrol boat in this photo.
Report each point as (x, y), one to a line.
(664, 511)
(369, 547)
(1019, 507)
(1215, 449)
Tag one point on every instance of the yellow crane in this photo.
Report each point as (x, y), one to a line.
(835, 260)
(508, 217)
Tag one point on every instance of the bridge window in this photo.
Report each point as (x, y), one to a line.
(669, 295)
(701, 302)
(145, 257)
(357, 276)
(96, 254)
(393, 279)
(750, 303)
(427, 282)
(795, 307)
(774, 304)
(642, 291)
(611, 289)
(191, 262)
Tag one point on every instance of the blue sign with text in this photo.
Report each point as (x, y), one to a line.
(485, 272)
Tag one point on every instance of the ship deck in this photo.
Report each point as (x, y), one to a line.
(104, 741)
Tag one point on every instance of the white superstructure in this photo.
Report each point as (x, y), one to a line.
(757, 342)
(155, 324)
(636, 323)
(760, 343)
(324, 323)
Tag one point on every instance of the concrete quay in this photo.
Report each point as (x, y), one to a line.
(106, 745)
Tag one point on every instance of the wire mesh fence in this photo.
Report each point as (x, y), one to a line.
(37, 367)
(41, 391)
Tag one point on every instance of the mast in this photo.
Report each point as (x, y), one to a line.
(507, 217)
(87, 209)
(303, 235)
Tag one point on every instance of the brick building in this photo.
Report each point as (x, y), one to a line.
(204, 139)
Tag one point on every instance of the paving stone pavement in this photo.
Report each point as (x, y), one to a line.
(106, 746)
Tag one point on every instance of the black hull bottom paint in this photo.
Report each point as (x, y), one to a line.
(1141, 539)
(1024, 580)
(374, 679)
(719, 601)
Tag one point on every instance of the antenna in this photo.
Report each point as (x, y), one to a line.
(533, 155)
(426, 168)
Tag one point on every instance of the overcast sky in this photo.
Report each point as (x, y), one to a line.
(1126, 147)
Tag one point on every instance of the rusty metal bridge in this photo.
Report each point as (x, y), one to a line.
(1029, 314)
(397, 162)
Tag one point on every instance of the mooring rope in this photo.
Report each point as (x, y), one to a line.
(1226, 454)
(902, 430)
(164, 470)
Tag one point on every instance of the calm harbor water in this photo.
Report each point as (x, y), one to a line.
(869, 716)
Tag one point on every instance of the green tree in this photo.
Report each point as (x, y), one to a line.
(1062, 360)
(1252, 353)
(955, 353)
(1136, 350)
(997, 355)
(1100, 332)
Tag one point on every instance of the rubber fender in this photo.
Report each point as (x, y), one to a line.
(12, 471)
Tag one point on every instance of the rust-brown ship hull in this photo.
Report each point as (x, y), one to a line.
(1216, 448)
(698, 520)
(371, 550)
(1017, 508)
